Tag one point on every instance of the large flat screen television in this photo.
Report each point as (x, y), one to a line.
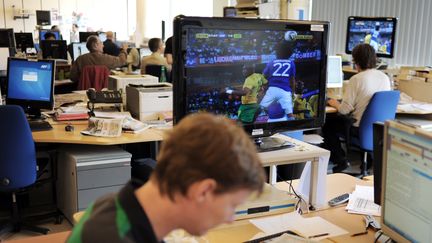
(269, 75)
(30, 84)
(379, 32)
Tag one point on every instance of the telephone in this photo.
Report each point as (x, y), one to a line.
(105, 96)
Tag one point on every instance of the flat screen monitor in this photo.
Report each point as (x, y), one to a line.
(269, 75)
(24, 41)
(379, 32)
(43, 17)
(30, 84)
(229, 12)
(55, 49)
(84, 35)
(78, 49)
(334, 72)
(144, 51)
(407, 182)
(42, 33)
(7, 38)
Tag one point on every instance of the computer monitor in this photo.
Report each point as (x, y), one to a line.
(24, 41)
(214, 59)
(229, 12)
(334, 72)
(43, 17)
(30, 84)
(407, 182)
(78, 49)
(379, 32)
(144, 51)
(55, 49)
(7, 38)
(84, 35)
(42, 33)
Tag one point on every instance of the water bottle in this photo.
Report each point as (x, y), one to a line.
(162, 78)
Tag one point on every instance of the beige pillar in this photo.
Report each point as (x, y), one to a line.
(140, 21)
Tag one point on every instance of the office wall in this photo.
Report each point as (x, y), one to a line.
(95, 14)
(413, 31)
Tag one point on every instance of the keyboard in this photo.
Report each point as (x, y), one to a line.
(39, 125)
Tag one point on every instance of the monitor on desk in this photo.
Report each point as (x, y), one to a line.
(78, 49)
(216, 57)
(84, 35)
(407, 182)
(7, 38)
(42, 33)
(334, 72)
(55, 49)
(379, 32)
(24, 41)
(30, 84)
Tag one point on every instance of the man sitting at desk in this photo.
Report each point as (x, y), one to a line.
(96, 57)
(110, 47)
(156, 46)
(361, 88)
(206, 167)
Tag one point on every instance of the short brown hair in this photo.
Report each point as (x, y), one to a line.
(153, 44)
(364, 56)
(206, 146)
(91, 43)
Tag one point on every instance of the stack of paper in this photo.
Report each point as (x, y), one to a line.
(71, 113)
(361, 201)
(315, 228)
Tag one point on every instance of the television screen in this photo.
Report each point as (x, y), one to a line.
(55, 49)
(43, 32)
(43, 17)
(378, 32)
(24, 41)
(30, 83)
(269, 75)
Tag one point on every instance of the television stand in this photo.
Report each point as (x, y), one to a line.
(265, 144)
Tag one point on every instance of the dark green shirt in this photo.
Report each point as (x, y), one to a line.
(114, 218)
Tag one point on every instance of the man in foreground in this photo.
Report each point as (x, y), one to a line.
(206, 167)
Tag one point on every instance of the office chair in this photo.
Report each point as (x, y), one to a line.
(17, 163)
(156, 70)
(93, 76)
(381, 107)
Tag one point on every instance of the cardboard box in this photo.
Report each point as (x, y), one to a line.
(418, 91)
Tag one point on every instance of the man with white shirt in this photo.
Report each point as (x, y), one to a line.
(361, 88)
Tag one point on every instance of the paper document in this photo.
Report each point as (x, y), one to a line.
(315, 228)
(103, 127)
(361, 201)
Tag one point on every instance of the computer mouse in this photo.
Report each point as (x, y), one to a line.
(69, 128)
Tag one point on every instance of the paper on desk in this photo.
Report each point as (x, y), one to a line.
(361, 201)
(105, 114)
(306, 227)
(304, 184)
(285, 238)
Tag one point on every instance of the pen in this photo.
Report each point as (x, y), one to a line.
(318, 235)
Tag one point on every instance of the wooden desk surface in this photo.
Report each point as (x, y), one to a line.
(50, 238)
(337, 184)
(59, 135)
(242, 230)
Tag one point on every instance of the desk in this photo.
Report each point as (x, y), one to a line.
(242, 230)
(59, 135)
(337, 184)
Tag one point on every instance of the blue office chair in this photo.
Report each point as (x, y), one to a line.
(381, 107)
(17, 162)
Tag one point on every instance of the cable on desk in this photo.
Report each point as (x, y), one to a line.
(290, 187)
(379, 236)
